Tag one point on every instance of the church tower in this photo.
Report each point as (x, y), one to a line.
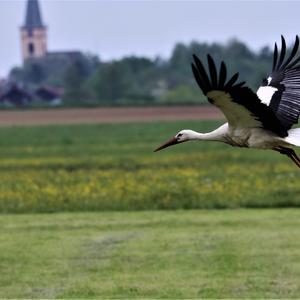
(33, 32)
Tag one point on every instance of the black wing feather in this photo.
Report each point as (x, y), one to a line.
(201, 69)
(294, 63)
(223, 74)
(199, 80)
(292, 55)
(275, 57)
(282, 53)
(285, 78)
(232, 80)
(212, 70)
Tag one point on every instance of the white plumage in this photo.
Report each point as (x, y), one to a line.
(263, 120)
(265, 94)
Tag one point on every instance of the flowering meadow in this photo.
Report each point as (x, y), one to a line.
(113, 167)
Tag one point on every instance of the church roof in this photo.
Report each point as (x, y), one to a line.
(33, 16)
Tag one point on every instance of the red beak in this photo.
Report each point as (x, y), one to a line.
(172, 141)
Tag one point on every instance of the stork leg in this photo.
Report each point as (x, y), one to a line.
(290, 153)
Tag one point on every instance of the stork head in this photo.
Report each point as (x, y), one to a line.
(180, 137)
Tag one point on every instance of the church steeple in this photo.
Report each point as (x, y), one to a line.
(33, 16)
(33, 32)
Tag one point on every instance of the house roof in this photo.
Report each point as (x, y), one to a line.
(49, 92)
(16, 95)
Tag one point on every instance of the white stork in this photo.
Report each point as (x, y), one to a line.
(262, 120)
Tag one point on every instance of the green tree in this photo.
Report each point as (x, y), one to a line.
(183, 94)
(74, 84)
(122, 81)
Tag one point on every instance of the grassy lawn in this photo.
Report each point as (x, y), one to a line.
(113, 167)
(174, 254)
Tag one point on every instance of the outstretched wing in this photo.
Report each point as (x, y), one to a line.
(239, 104)
(281, 90)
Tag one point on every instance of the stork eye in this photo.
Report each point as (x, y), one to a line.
(179, 134)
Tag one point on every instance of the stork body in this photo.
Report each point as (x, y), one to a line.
(261, 120)
(237, 137)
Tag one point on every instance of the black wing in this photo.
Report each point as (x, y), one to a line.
(281, 91)
(239, 104)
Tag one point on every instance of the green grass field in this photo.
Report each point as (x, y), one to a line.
(113, 167)
(116, 251)
(162, 254)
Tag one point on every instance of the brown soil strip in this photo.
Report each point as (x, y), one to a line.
(107, 115)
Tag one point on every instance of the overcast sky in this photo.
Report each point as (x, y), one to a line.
(112, 29)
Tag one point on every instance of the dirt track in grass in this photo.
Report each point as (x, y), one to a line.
(107, 115)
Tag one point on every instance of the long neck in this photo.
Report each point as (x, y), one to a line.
(216, 135)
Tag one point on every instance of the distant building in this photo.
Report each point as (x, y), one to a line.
(14, 94)
(33, 32)
(49, 94)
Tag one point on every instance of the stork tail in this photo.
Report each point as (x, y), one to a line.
(293, 137)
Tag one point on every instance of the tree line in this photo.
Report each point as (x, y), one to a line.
(88, 81)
